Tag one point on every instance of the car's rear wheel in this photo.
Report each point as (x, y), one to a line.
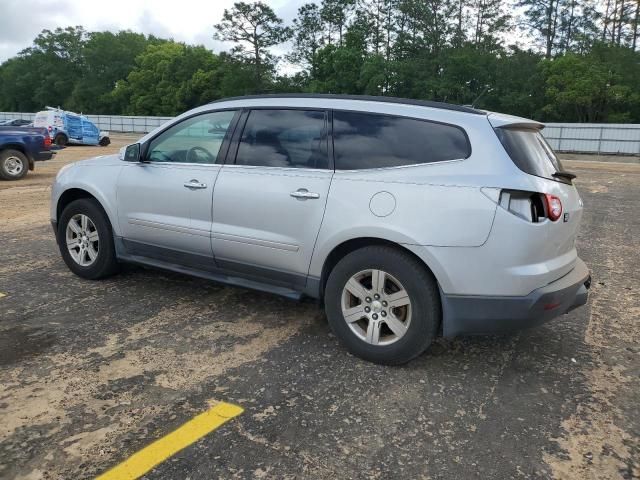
(104, 141)
(85, 240)
(14, 165)
(60, 140)
(383, 304)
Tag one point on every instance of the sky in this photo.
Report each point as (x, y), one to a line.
(189, 21)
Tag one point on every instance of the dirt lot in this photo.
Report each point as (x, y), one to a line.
(91, 372)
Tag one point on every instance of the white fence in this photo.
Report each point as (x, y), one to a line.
(606, 138)
(611, 138)
(111, 123)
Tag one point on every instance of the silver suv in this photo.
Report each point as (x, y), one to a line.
(407, 218)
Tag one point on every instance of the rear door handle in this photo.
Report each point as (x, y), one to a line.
(195, 184)
(304, 194)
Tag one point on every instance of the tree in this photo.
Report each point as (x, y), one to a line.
(307, 36)
(597, 87)
(168, 78)
(107, 58)
(56, 60)
(253, 28)
(543, 18)
(491, 22)
(334, 14)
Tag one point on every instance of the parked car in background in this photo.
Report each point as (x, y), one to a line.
(70, 128)
(18, 122)
(407, 218)
(20, 148)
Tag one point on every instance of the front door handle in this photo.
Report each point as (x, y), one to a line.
(195, 184)
(304, 194)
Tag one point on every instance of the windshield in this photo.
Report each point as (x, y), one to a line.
(530, 151)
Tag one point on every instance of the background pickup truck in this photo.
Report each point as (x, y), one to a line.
(20, 148)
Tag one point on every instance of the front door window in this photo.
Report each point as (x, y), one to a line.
(195, 140)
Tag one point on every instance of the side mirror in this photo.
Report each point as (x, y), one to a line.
(130, 153)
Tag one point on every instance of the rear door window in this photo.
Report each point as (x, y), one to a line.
(530, 151)
(284, 138)
(368, 140)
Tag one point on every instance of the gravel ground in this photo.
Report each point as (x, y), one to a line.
(91, 372)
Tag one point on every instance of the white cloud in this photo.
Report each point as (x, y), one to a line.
(190, 21)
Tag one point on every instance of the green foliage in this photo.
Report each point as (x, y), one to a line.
(582, 64)
(254, 28)
(597, 87)
(169, 77)
(108, 57)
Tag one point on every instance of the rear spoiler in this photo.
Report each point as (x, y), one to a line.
(500, 120)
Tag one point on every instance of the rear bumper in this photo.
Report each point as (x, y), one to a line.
(483, 314)
(44, 155)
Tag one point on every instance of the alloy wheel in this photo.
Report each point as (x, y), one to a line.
(376, 307)
(83, 242)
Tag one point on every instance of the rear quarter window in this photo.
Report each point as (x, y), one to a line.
(529, 151)
(367, 140)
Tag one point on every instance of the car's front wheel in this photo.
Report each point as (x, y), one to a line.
(85, 240)
(383, 304)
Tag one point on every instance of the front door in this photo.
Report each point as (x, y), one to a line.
(164, 203)
(268, 204)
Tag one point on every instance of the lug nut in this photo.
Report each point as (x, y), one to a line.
(384, 303)
(375, 316)
(376, 296)
(368, 299)
(367, 309)
(383, 313)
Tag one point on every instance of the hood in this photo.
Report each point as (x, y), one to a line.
(102, 160)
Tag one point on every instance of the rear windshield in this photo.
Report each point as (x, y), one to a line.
(530, 151)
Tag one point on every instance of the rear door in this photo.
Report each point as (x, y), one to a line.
(73, 128)
(164, 203)
(90, 132)
(531, 153)
(269, 201)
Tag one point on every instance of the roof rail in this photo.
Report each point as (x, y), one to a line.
(367, 98)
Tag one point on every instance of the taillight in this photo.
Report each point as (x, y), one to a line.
(47, 142)
(531, 206)
(554, 207)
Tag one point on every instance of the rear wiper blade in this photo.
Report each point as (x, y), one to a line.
(567, 175)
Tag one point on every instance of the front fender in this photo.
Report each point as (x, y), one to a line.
(99, 182)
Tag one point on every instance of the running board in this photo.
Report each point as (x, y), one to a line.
(215, 276)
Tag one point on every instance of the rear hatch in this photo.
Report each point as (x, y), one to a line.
(555, 207)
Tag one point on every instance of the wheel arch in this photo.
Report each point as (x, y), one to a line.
(348, 246)
(76, 193)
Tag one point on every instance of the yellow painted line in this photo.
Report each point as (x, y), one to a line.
(141, 462)
(2, 294)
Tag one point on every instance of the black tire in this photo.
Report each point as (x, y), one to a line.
(9, 163)
(421, 288)
(104, 141)
(60, 140)
(106, 263)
